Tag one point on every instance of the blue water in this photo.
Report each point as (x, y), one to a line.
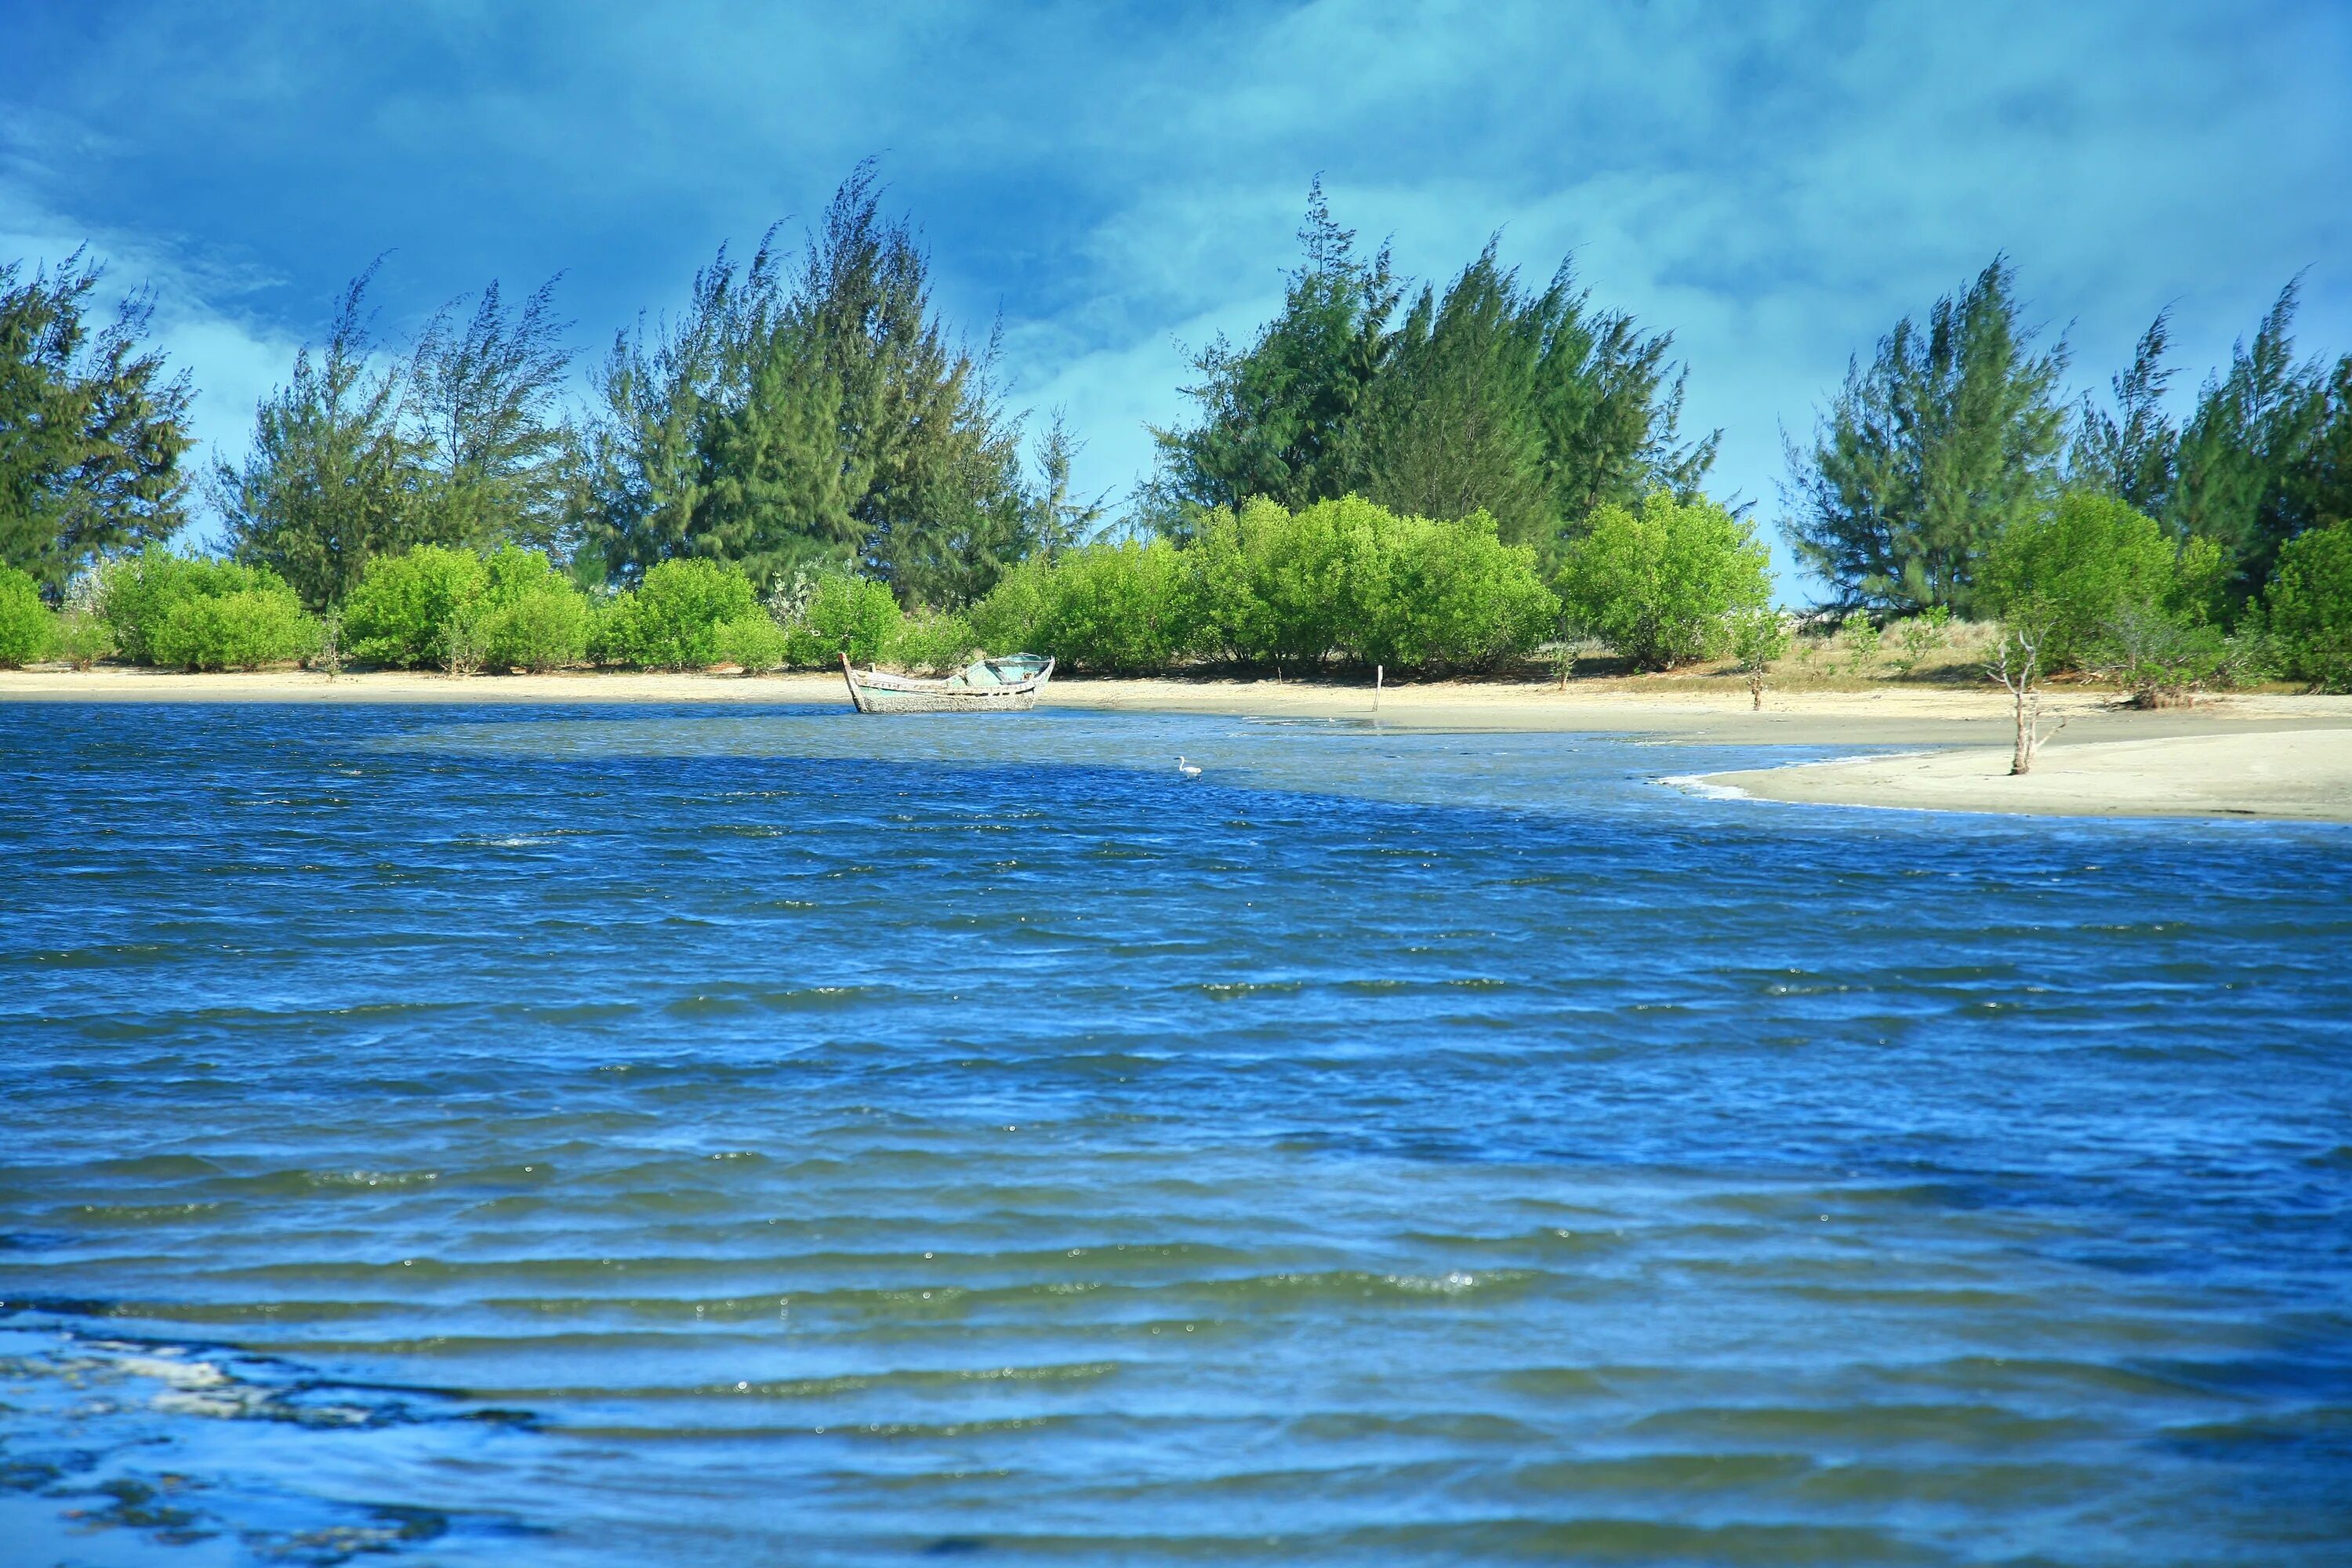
(661, 1136)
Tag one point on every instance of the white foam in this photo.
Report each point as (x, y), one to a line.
(1693, 783)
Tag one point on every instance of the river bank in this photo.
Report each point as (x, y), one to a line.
(2254, 755)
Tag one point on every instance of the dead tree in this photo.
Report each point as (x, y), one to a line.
(2017, 665)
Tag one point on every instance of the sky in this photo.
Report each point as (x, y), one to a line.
(1774, 183)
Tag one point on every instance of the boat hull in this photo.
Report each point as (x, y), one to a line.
(875, 692)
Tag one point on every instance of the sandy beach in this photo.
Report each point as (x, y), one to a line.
(2245, 755)
(2294, 773)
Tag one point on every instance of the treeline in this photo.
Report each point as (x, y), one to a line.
(1437, 478)
(1951, 472)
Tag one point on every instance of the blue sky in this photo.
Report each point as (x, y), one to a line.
(1774, 183)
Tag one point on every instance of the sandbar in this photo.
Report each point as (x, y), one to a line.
(2284, 773)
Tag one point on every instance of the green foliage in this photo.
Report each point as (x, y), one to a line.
(1278, 419)
(137, 595)
(1448, 596)
(244, 630)
(2162, 655)
(2132, 453)
(28, 629)
(671, 621)
(450, 607)
(2265, 455)
(417, 607)
(1010, 619)
(540, 628)
(462, 445)
(332, 480)
(1948, 437)
(1276, 587)
(1343, 579)
(91, 429)
(754, 641)
(1530, 406)
(83, 638)
(1920, 635)
(2242, 452)
(1862, 635)
(497, 455)
(1657, 584)
(1118, 608)
(845, 615)
(2070, 572)
(2310, 607)
(933, 643)
(816, 417)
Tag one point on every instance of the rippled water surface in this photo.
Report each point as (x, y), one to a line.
(656, 1136)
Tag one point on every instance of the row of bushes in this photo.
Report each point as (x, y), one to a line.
(1667, 582)
(161, 608)
(454, 610)
(1351, 581)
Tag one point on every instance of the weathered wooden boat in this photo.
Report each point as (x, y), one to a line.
(1008, 685)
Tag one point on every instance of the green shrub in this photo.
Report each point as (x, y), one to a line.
(1285, 588)
(844, 615)
(543, 628)
(1119, 608)
(1659, 584)
(410, 609)
(243, 630)
(136, 596)
(83, 639)
(754, 641)
(1443, 595)
(2310, 607)
(1758, 638)
(671, 621)
(2073, 571)
(28, 629)
(932, 643)
(535, 616)
(1010, 618)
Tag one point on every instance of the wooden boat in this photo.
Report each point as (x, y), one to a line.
(1008, 685)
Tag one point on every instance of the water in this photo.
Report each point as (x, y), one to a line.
(658, 1136)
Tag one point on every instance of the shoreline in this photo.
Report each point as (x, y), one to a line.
(2290, 776)
(2227, 756)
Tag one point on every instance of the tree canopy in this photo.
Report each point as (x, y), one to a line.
(1532, 405)
(1952, 432)
(92, 423)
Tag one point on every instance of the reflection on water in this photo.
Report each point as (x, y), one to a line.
(668, 1137)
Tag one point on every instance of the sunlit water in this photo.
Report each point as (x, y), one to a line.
(672, 1137)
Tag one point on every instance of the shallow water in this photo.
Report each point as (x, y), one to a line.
(660, 1136)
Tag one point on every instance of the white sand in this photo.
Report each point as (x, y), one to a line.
(2304, 773)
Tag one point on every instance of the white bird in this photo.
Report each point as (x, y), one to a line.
(1190, 770)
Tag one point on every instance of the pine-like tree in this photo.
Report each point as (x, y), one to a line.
(486, 407)
(1278, 419)
(2132, 452)
(1534, 408)
(332, 479)
(2240, 452)
(93, 427)
(1951, 433)
(823, 418)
